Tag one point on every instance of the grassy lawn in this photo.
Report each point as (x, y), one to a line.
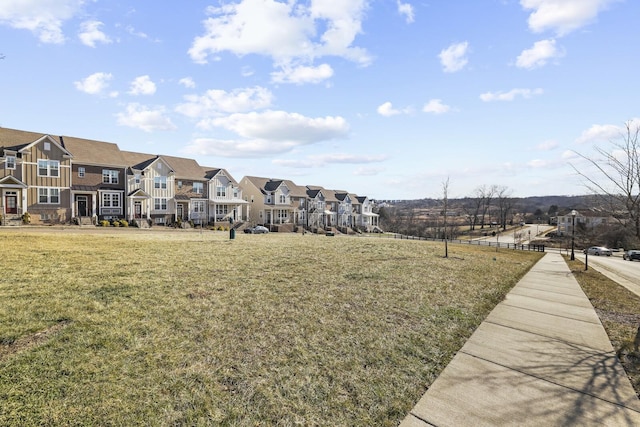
(133, 327)
(619, 312)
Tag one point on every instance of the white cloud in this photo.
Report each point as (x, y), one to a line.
(187, 82)
(562, 16)
(43, 18)
(538, 164)
(95, 84)
(144, 118)
(302, 74)
(539, 54)
(407, 10)
(284, 126)
(387, 110)
(511, 95)
(142, 85)
(547, 145)
(268, 133)
(436, 106)
(216, 102)
(599, 133)
(368, 171)
(325, 159)
(90, 33)
(454, 58)
(285, 31)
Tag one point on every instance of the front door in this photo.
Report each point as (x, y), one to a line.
(82, 205)
(137, 209)
(11, 203)
(180, 211)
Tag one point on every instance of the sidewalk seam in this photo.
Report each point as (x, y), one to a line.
(550, 382)
(551, 314)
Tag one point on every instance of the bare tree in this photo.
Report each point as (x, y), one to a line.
(445, 208)
(505, 204)
(485, 195)
(617, 181)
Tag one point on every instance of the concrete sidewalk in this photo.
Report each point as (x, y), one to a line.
(541, 358)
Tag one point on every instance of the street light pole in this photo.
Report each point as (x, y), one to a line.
(573, 234)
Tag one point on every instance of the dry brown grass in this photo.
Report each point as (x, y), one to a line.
(619, 312)
(190, 328)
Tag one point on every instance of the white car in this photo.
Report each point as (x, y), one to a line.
(598, 250)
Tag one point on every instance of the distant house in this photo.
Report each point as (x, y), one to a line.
(150, 188)
(99, 184)
(366, 218)
(585, 218)
(35, 177)
(225, 196)
(271, 201)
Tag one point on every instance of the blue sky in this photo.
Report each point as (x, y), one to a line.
(384, 98)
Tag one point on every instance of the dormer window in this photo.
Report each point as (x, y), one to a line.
(10, 162)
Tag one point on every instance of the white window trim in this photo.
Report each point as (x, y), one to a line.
(81, 172)
(49, 195)
(10, 162)
(158, 204)
(110, 176)
(112, 197)
(49, 165)
(160, 182)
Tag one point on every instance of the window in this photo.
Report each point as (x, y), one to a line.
(136, 177)
(49, 168)
(10, 162)
(222, 209)
(198, 207)
(198, 187)
(109, 176)
(49, 196)
(47, 146)
(236, 193)
(81, 172)
(111, 200)
(283, 198)
(221, 191)
(160, 204)
(160, 182)
(179, 185)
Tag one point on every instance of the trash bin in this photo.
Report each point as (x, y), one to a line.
(232, 233)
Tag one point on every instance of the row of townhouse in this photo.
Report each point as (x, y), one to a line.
(283, 204)
(58, 179)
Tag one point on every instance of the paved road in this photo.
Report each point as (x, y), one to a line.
(627, 273)
(521, 236)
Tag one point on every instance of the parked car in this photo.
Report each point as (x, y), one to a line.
(598, 250)
(631, 255)
(258, 229)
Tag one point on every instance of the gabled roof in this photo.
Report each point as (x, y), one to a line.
(341, 195)
(210, 173)
(185, 168)
(18, 140)
(313, 193)
(11, 181)
(329, 195)
(91, 152)
(15, 140)
(141, 161)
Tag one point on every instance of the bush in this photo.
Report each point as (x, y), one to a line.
(105, 223)
(115, 223)
(124, 223)
(26, 218)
